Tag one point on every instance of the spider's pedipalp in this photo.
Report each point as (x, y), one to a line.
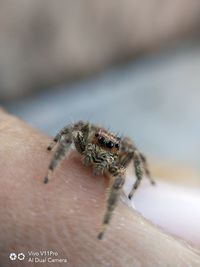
(117, 183)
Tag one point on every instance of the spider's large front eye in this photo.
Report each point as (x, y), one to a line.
(110, 144)
(97, 135)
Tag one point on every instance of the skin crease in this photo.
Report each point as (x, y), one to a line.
(65, 215)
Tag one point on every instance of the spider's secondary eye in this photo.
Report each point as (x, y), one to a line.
(101, 139)
(97, 135)
(117, 145)
(110, 144)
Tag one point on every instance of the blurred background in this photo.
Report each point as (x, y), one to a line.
(128, 65)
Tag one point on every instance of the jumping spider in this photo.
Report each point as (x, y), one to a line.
(107, 153)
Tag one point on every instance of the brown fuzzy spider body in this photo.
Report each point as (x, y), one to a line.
(107, 153)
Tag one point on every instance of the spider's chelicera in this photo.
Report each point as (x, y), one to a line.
(107, 153)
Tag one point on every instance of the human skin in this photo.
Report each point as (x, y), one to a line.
(65, 215)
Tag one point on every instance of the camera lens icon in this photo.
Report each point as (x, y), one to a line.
(21, 256)
(13, 256)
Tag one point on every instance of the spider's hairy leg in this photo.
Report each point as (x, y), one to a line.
(127, 159)
(146, 169)
(114, 193)
(127, 151)
(138, 172)
(59, 136)
(80, 140)
(59, 155)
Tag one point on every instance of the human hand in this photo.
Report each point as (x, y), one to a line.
(65, 215)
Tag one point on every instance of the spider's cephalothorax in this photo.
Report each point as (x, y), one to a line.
(107, 153)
